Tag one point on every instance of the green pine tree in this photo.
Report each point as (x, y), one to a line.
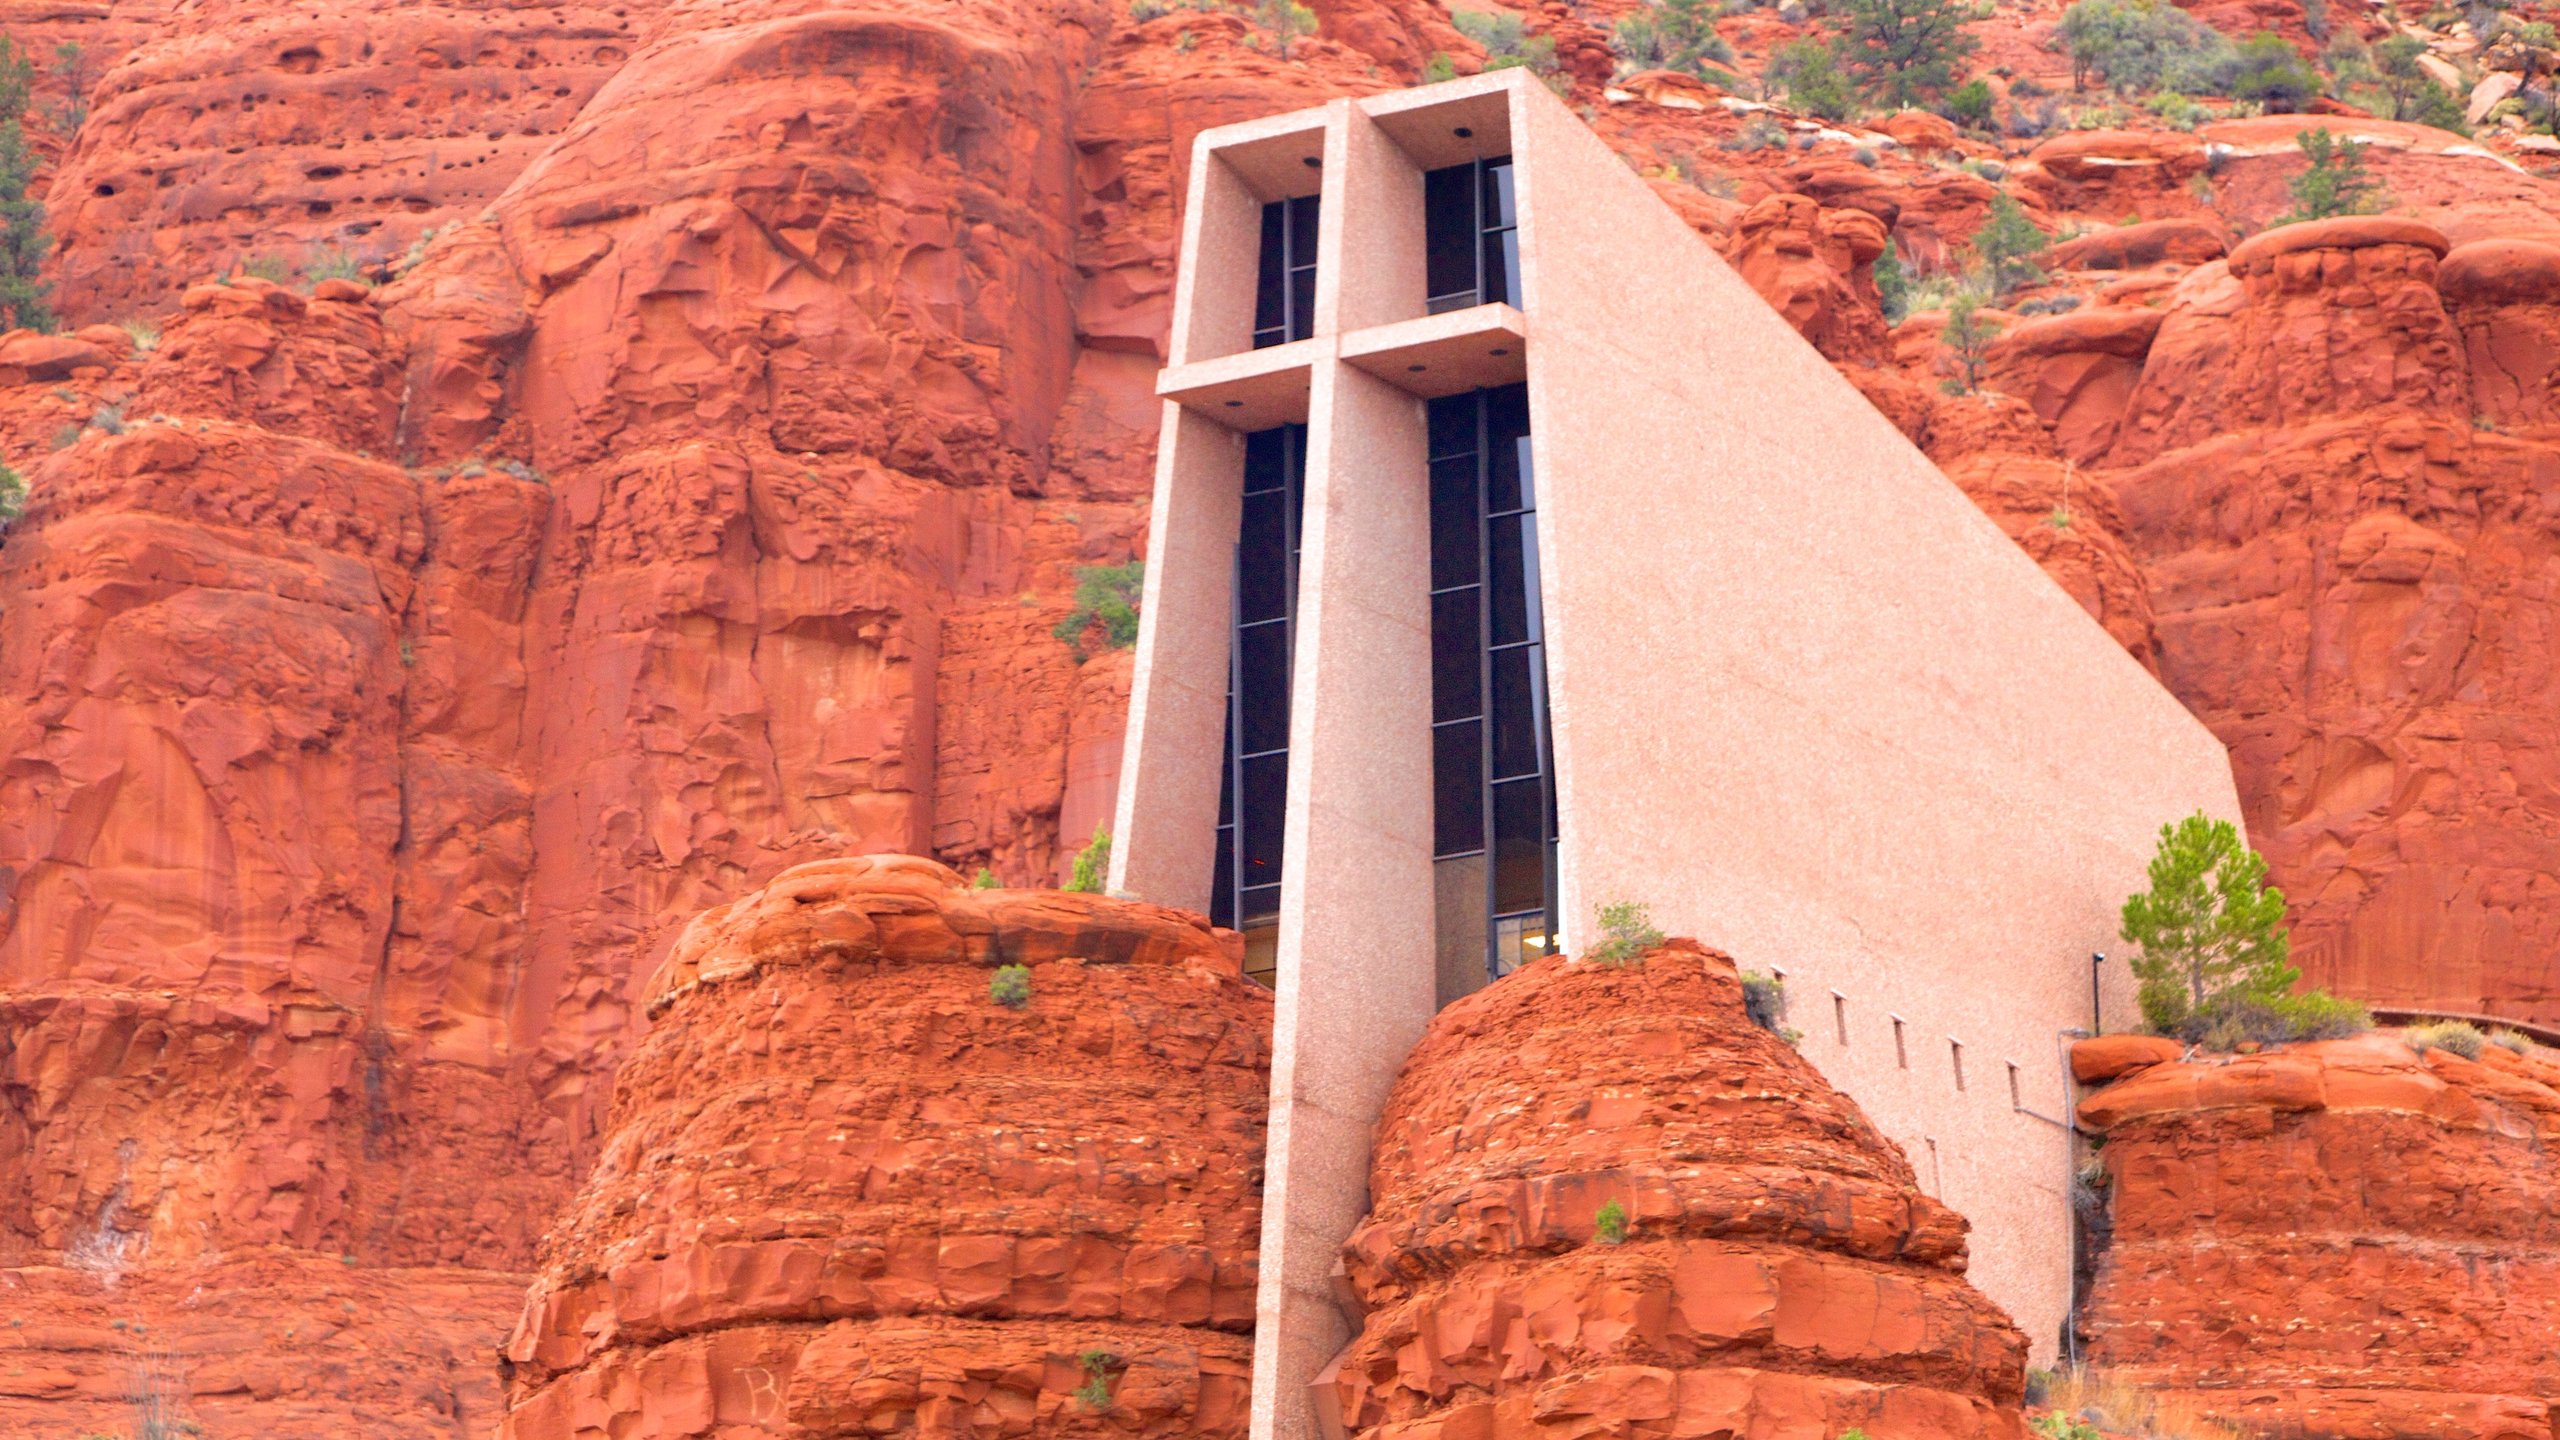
(2209, 928)
(2007, 245)
(2335, 183)
(1903, 53)
(23, 240)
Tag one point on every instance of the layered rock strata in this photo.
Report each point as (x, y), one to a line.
(1779, 1273)
(846, 1192)
(2346, 1240)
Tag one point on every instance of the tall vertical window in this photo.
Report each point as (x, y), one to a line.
(1254, 793)
(1471, 240)
(1492, 768)
(1284, 297)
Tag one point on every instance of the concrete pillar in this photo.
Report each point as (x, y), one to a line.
(1355, 961)
(1168, 804)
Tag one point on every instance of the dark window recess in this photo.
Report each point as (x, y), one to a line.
(1471, 242)
(1284, 296)
(1253, 794)
(1493, 767)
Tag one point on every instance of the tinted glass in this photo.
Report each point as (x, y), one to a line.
(1261, 905)
(1262, 558)
(1516, 709)
(1272, 276)
(1449, 236)
(1519, 846)
(1263, 659)
(1512, 547)
(1266, 455)
(1457, 789)
(1222, 885)
(1302, 303)
(1506, 431)
(1303, 212)
(1454, 538)
(1266, 795)
(1453, 426)
(1500, 207)
(1457, 663)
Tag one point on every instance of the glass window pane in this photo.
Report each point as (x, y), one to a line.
(1266, 798)
(1501, 267)
(1453, 426)
(1457, 789)
(1303, 213)
(1222, 888)
(1518, 710)
(1271, 275)
(1261, 904)
(1455, 539)
(1518, 941)
(1263, 659)
(1227, 767)
(1262, 559)
(1519, 846)
(1457, 657)
(1506, 426)
(1302, 303)
(1512, 550)
(1500, 207)
(1265, 456)
(1449, 235)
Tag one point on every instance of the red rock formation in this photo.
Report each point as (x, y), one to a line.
(2344, 1239)
(1815, 267)
(1780, 1274)
(845, 1192)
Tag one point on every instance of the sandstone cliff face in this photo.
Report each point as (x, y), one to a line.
(845, 1193)
(1780, 1273)
(2343, 1239)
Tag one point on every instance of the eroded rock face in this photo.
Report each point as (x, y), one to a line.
(2344, 1239)
(845, 1192)
(1780, 1274)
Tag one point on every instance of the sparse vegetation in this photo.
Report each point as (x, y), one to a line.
(1507, 43)
(985, 879)
(145, 334)
(2007, 244)
(23, 240)
(1095, 1392)
(2335, 183)
(1764, 999)
(1627, 934)
(2511, 1041)
(1893, 284)
(1609, 1225)
(1092, 868)
(2058, 1426)
(2459, 1037)
(2118, 1407)
(1673, 35)
(334, 262)
(1010, 987)
(1810, 73)
(2138, 45)
(2267, 69)
(271, 268)
(13, 497)
(72, 64)
(2403, 90)
(1106, 595)
(1966, 337)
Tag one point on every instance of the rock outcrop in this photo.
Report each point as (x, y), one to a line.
(2345, 1239)
(1779, 1273)
(845, 1192)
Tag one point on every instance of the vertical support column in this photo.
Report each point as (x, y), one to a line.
(1168, 805)
(1356, 983)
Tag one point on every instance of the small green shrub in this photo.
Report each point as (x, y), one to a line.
(1816, 81)
(2511, 1041)
(1627, 934)
(1609, 1226)
(1095, 1392)
(2241, 1017)
(13, 497)
(1142, 11)
(1106, 595)
(2335, 183)
(1286, 21)
(2458, 1036)
(1764, 999)
(334, 262)
(2007, 244)
(2267, 69)
(270, 268)
(1969, 104)
(985, 879)
(109, 418)
(1853, 1433)
(2058, 1426)
(1507, 43)
(145, 334)
(1092, 867)
(1438, 68)
(1966, 337)
(1893, 285)
(1010, 986)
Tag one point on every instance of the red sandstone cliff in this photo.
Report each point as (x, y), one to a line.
(2344, 1239)
(845, 1192)
(1779, 1275)
(385, 676)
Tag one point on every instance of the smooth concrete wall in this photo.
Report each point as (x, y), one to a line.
(1812, 707)
(1176, 740)
(1356, 983)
